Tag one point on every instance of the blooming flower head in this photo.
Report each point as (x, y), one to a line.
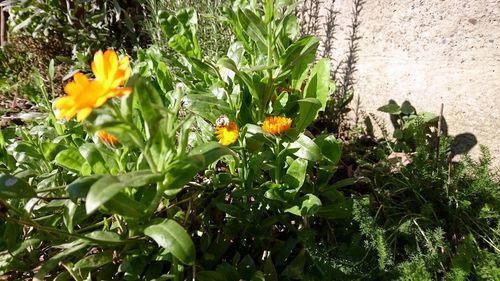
(226, 132)
(84, 94)
(276, 125)
(111, 72)
(107, 138)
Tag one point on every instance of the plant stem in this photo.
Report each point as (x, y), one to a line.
(160, 189)
(278, 162)
(72, 272)
(50, 189)
(175, 269)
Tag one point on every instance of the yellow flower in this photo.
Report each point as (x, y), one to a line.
(227, 134)
(111, 72)
(276, 125)
(84, 94)
(107, 138)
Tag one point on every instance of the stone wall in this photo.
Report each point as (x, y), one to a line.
(430, 52)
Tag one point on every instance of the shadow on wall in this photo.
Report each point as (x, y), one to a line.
(412, 128)
(324, 24)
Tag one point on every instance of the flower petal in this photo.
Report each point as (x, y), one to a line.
(83, 114)
(98, 67)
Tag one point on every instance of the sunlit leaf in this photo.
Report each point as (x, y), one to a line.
(108, 186)
(173, 237)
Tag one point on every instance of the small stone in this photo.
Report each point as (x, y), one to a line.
(473, 21)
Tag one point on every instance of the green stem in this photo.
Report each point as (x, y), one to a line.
(52, 116)
(95, 225)
(175, 269)
(72, 272)
(50, 189)
(156, 200)
(60, 232)
(278, 162)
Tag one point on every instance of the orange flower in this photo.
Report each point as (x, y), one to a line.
(84, 94)
(227, 134)
(107, 138)
(276, 125)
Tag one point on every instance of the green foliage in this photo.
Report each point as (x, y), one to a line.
(167, 201)
(423, 223)
(410, 129)
(85, 26)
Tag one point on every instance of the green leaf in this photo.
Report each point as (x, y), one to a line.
(296, 173)
(28, 149)
(51, 264)
(331, 148)
(173, 237)
(295, 268)
(51, 70)
(105, 236)
(207, 105)
(305, 148)
(407, 108)
(339, 210)
(229, 209)
(308, 109)
(70, 159)
(181, 31)
(94, 261)
(80, 187)
(108, 186)
(246, 268)
(309, 205)
(212, 152)
(319, 82)
(210, 276)
(12, 187)
(93, 156)
(150, 103)
(255, 28)
(428, 117)
(182, 171)
(297, 59)
(244, 77)
(398, 134)
(123, 205)
(50, 150)
(391, 108)
(344, 183)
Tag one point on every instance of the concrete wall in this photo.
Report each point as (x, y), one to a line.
(428, 52)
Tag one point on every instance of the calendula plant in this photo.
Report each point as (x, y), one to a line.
(134, 163)
(258, 100)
